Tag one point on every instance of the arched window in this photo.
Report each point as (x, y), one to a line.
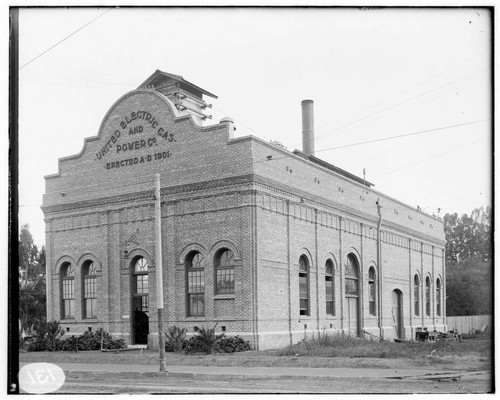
(195, 284)
(303, 285)
(329, 288)
(438, 297)
(427, 296)
(416, 294)
(224, 272)
(372, 292)
(68, 291)
(141, 287)
(351, 276)
(89, 290)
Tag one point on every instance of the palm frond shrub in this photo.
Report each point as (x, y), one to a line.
(205, 341)
(175, 339)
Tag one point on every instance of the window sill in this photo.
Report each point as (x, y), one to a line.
(224, 296)
(65, 320)
(90, 319)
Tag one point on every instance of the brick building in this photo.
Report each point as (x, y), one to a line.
(271, 245)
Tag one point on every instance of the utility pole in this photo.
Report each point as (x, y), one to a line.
(380, 268)
(159, 273)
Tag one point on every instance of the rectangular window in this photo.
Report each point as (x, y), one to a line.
(90, 298)
(427, 301)
(371, 301)
(69, 308)
(225, 280)
(438, 298)
(330, 310)
(416, 300)
(303, 294)
(141, 284)
(196, 293)
(68, 298)
(197, 304)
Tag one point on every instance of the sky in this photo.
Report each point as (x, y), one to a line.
(417, 78)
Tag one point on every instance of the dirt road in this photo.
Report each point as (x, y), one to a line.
(478, 383)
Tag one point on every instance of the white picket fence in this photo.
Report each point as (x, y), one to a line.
(469, 323)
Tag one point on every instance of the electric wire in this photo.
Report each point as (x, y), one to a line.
(67, 37)
(410, 89)
(404, 135)
(318, 137)
(398, 111)
(427, 159)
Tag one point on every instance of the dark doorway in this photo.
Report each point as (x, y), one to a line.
(141, 322)
(140, 301)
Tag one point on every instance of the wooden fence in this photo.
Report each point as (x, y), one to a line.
(469, 323)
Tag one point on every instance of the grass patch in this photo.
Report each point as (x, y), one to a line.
(348, 346)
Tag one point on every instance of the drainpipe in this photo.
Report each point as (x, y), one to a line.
(379, 262)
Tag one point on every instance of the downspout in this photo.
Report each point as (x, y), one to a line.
(317, 266)
(379, 263)
(289, 261)
(342, 282)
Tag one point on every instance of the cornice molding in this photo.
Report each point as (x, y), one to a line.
(168, 194)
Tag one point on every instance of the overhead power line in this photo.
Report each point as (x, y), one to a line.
(433, 93)
(475, 56)
(403, 135)
(67, 37)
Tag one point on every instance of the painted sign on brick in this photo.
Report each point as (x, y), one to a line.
(125, 142)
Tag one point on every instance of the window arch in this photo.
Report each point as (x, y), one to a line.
(428, 296)
(89, 272)
(372, 292)
(438, 297)
(416, 294)
(68, 291)
(224, 272)
(303, 285)
(351, 276)
(141, 284)
(329, 287)
(195, 284)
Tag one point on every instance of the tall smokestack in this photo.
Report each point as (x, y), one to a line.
(308, 127)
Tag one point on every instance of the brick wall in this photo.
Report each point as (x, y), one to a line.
(227, 193)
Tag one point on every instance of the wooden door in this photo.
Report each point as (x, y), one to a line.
(397, 316)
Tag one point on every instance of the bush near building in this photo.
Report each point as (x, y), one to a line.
(205, 341)
(49, 339)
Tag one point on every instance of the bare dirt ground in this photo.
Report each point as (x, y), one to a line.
(171, 385)
(473, 374)
(262, 359)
